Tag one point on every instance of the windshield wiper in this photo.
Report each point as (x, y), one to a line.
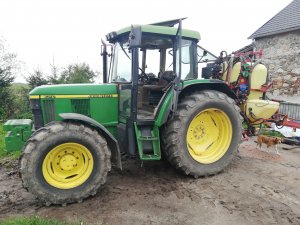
(125, 52)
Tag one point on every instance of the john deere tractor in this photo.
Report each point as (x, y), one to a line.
(151, 103)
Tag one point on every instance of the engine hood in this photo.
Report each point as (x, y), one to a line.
(75, 89)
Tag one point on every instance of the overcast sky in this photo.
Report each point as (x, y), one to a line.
(71, 30)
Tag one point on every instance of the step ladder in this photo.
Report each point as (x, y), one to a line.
(148, 140)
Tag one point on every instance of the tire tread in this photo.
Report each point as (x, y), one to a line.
(31, 147)
(171, 136)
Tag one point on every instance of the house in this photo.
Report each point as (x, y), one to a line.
(280, 40)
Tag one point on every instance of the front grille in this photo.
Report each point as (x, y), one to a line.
(81, 106)
(49, 110)
(37, 113)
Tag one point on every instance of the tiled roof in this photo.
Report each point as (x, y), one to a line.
(286, 20)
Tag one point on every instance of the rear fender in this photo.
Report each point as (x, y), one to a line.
(212, 85)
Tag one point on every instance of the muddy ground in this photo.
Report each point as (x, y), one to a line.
(258, 188)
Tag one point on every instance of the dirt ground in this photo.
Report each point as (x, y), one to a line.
(258, 188)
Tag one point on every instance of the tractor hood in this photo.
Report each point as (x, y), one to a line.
(74, 89)
(97, 101)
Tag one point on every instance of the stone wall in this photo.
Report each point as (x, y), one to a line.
(281, 54)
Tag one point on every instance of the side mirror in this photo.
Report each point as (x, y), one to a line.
(105, 54)
(106, 49)
(205, 56)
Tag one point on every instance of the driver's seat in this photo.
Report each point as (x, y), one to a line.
(156, 90)
(164, 79)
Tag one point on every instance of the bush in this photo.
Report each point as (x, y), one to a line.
(21, 104)
(2, 144)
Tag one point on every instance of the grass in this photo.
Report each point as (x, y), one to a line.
(265, 130)
(34, 220)
(272, 133)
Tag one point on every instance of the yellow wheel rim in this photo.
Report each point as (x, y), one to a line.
(209, 135)
(68, 165)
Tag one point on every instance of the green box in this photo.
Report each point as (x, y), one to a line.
(18, 132)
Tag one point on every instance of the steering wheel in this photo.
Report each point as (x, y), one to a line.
(143, 77)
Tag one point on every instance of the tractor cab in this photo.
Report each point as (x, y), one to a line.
(151, 65)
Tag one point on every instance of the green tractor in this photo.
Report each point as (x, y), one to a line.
(151, 103)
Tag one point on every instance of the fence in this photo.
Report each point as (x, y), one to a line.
(290, 109)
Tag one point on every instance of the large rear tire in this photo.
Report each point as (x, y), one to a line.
(202, 138)
(64, 162)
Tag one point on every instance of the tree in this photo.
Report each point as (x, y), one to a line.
(6, 77)
(77, 73)
(21, 104)
(72, 74)
(8, 66)
(53, 78)
(36, 79)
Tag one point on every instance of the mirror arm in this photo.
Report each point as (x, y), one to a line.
(104, 55)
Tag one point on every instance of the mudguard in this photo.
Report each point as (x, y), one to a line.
(216, 85)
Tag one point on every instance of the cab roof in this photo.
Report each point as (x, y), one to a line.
(163, 28)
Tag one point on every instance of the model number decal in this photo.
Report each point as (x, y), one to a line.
(104, 96)
(48, 96)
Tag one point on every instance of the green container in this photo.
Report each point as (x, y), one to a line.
(18, 131)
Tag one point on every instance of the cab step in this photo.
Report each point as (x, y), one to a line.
(148, 142)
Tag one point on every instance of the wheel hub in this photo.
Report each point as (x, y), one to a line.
(68, 162)
(199, 132)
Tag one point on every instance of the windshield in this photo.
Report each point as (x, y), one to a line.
(121, 70)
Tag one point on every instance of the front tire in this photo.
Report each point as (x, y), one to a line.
(64, 162)
(205, 134)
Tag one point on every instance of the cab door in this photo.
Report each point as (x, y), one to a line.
(124, 69)
(121, 74)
